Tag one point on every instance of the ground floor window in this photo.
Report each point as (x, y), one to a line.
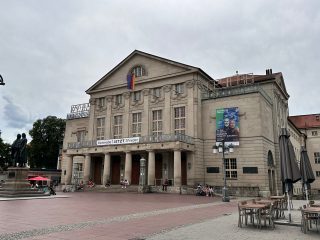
(231, 168)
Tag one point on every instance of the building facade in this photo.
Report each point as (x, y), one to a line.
(172, 114)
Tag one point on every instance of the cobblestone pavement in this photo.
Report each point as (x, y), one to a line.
(130, 216)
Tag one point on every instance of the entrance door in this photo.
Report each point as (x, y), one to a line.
(97, 170)
(135, 174)
(158, 166)
(183, 168)
(115, 169)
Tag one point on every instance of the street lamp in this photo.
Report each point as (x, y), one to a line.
(222, 148)
(143, 162)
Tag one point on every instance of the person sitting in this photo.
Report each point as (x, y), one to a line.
(91, 184)
(125, 183)
(51, 190)
(122, 183)
(165, 185)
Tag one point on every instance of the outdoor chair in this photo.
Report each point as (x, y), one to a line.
(308, 219)
(268, 214)
(242, 214)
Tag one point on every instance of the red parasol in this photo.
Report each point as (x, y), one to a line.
(38, 178)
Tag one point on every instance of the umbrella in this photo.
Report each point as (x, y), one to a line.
(289, 167)
(307, 175)
(38, 178)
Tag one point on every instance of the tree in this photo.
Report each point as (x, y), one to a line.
(5, 155)
(47, 136)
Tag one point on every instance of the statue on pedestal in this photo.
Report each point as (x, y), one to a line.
(19, 151)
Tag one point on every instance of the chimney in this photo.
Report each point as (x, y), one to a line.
(270, 70)
(267, 71)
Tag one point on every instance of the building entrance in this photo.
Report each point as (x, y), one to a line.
(115, 169)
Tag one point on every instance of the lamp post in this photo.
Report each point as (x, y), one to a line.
(143, 162)
(222, 148)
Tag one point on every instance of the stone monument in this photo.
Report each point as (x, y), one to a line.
(17, 184)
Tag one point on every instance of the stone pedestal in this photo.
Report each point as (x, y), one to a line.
(17, 184)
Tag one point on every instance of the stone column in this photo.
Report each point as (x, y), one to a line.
(87, 168)
(151, 168)
(177, 168)
(106, 168)
(128, 167)
(92, 124)
(145, 114)
(69, 163)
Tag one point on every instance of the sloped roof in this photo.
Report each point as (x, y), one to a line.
(306, 121)
(135, 52)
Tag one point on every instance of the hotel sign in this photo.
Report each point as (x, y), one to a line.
(118, 141)
(79, 111)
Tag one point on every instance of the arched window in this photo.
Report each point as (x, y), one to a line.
(270, 159)
(138, 71)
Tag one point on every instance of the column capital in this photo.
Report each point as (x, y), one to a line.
(107, 153)
(150, 150)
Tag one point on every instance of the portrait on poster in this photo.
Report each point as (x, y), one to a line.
(227, 125)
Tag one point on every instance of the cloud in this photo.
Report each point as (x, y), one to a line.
(15, 116)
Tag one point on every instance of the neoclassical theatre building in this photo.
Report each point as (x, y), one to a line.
(172, 115)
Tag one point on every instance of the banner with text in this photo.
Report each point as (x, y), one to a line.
(118, 141)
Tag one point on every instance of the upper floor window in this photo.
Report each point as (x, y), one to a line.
(138, 71)
(136, 96)
(81, 135)
(101, 102)
(136, 124)
(179, 120)
(179, 88)
(318, 173)
(156, 92)
(118, 99)
(156, 122)
(100, 128)
(117, 126)
(314, 133)
(317, 157)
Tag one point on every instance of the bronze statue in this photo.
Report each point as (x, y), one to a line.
(15, 150)
(23, 151)
(19, 151)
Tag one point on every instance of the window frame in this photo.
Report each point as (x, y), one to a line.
(179, 88)
(179, 120)
(100, 128)
(118, 99)
(136, 96)
(136, 124)
(231, 168)
(117, 126)
(157, 122)
(316, 157)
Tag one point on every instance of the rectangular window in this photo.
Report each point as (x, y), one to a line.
(231, 168)
(318, 173)
(100, 128)
(101, 102)
(117, 126)
(179, 88)
(157, 92)
(317, 157)
(81, 136)
(136, 124)
(157, 122)
(179, 120)
(314, 133)
(118, 99)
(136, 96)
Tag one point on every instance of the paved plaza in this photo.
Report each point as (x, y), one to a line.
(131, 216)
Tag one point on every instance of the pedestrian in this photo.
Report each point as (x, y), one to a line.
(165, 185)
(126, 183)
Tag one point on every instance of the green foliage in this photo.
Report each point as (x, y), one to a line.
(5, 155)
(47, 136)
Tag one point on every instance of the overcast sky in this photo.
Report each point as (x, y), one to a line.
(52, 51)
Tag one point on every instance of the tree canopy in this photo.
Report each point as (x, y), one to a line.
(47, 137)
(5, 155)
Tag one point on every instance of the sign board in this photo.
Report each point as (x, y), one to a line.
(118, 141)
(227, 125)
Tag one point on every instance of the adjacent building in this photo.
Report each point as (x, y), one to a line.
(172, 115)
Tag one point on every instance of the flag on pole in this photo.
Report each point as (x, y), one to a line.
(130, 81)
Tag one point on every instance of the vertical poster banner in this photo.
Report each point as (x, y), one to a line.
(227, 125)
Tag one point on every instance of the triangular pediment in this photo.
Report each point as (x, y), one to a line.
(155, 67)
